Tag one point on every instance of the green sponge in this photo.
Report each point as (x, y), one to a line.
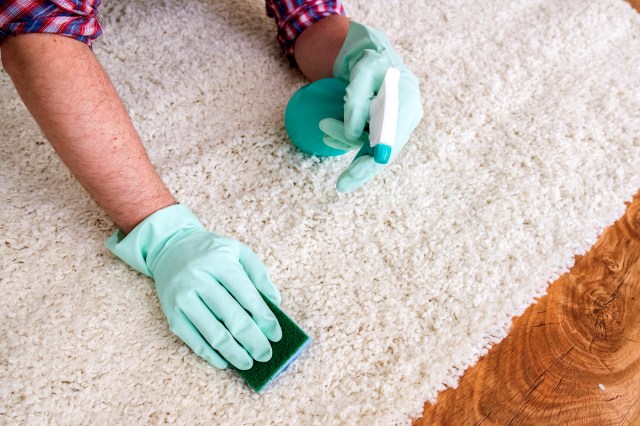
(293, 341)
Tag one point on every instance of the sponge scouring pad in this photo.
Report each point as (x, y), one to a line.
(293, 341)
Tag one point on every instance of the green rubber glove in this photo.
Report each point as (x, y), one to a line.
(207, 285)
(362, 62)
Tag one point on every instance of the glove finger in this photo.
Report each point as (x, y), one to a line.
(192, 338)
(361, 170)
(335, 129)
(365, 81)
(336, 144)
(215, 332)
(364, 167)
(236, 281)
(410, 110)
(238, 322)
(258, 273)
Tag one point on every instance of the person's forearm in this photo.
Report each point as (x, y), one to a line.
(318, 46)
(70, 96)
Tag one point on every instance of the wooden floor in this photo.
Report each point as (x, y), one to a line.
(573, 358)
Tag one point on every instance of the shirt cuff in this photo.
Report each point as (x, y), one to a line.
(77, 19)
(292, 17)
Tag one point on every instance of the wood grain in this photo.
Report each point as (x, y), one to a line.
(573, 358)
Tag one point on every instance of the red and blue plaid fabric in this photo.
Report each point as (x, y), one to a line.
(79, 18)
(294, 16)
(73, 18)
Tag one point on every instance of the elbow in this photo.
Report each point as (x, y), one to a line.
(8, 57)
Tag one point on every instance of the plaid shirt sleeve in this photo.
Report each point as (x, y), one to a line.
(72, 18)
(294, 16)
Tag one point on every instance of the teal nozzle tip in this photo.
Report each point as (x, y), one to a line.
(381, 153)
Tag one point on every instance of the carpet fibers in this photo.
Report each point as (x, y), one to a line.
(529, 147)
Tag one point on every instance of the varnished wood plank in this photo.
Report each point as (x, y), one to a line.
(573, 357)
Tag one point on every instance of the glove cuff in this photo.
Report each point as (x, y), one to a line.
(360, 38)
(142, 246)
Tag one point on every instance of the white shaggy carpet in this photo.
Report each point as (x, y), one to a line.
(529, 147)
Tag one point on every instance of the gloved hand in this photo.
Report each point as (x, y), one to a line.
(207, 285)
(362, 62)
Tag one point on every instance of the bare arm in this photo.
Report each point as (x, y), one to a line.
(318, 46)
(70, 96)
(68, 93)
